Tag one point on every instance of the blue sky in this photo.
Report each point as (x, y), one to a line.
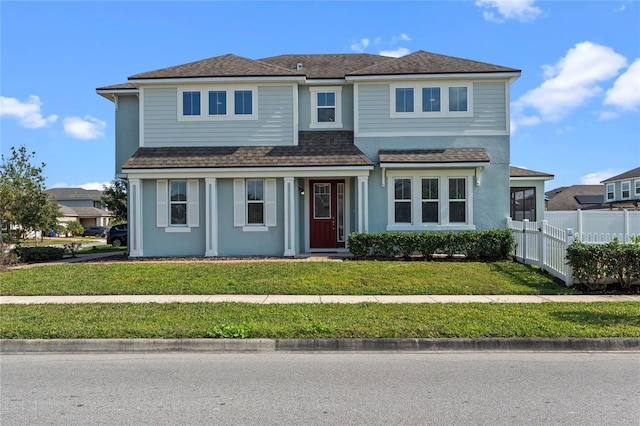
(575, 109)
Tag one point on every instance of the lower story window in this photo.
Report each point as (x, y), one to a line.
(254, 204)
(178, 201)
(523, 204)
(255, 201)
(430, 199)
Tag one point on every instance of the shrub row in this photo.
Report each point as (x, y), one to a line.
(488, 245)
(38, 254)
(597, 265)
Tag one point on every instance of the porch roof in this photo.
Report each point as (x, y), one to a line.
(436, 156)
(314, 149)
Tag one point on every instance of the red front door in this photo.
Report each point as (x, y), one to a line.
(326, 221)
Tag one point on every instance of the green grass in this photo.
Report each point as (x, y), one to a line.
(53, 241)
(101, 249)
(366, 320)
(313, 278)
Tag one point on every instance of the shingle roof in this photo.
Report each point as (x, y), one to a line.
(422, 62)
(571, 197)
(318, 66)
(63, 194)
(334, 148)
(327, 65)
(220, 66)
(520, 172)
(448, 155)
(631, 174)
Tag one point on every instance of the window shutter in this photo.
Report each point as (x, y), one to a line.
(270, 202)
(162, 209)
(238, 202)
(193, 209)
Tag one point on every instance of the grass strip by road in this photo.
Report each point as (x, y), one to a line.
(296, 278)
(366, 320)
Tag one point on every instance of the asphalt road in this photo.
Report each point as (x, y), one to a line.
(488, 388)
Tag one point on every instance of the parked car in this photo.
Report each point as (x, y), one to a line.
(117, 235)
(94, 231)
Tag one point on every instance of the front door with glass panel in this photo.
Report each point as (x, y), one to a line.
(327, 214)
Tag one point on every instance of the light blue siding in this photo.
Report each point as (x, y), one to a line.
(489, 113)
(127, 129)
(274, 125)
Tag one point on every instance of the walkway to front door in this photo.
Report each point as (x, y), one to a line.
(327, 214)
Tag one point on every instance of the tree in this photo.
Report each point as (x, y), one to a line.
(22, 198)
(114, 198)
(75, 228)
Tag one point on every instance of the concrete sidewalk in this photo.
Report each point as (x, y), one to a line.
(288, 299)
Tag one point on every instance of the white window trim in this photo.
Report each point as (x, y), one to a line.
(240, 206)
(637, 187)
(622, 197)
(417, 100)
(163, 206)
(416, 177)
(314, 123)
(204, 103)
(613, 192)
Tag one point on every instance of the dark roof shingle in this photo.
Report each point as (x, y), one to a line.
(447, 155)
(521, 172)
(631, 174)
(314, 149)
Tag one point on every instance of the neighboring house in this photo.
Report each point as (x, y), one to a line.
(82, 205)
(576, 197)
(289, 154)
(526, 194)
(623, 190)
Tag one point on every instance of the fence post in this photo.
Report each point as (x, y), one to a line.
(626, 234)
(525, 257)
(568, 280)
(580, 230)
(542, 253)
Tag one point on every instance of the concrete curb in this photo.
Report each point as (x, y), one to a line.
(17, 346)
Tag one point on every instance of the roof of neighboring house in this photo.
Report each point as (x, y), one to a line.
(526, 173)
(631, 174)
(584, 197)
(318, 66)
(332, 148)
(448, 155)
(84, 212)
(67, 194)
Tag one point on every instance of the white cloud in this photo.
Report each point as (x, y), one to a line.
(607, 115)
(596, 177)
(28, 113)
(401, 37)
(568, 84)
(396, 53)
(521, 10)
(84, 128)
(88, 186)
(625, 93)
(361, 45)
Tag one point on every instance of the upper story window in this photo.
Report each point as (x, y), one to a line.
(422, 100)
(626, 190)
(431, 99)
(326, 107)
(190, 103)
(404, 99)
(609, 192)
(217, 103)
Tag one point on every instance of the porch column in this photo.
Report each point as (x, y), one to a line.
(211, 217)
(289, 217)
(135, 218)
(363, 203)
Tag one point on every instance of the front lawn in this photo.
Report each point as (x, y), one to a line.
(280, 277)
(365, 320)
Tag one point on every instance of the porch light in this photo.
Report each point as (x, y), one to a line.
(301, 191)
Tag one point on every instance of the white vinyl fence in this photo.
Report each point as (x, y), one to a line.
(597, 226)
(538, 243)
(545, 243)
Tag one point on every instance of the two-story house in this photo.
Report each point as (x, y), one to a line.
(289, 154)
(82, 205)
(623, 190)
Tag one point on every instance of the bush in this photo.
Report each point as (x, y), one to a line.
(473, 245)
(598, 265)
(38, 254)
(75, 228)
